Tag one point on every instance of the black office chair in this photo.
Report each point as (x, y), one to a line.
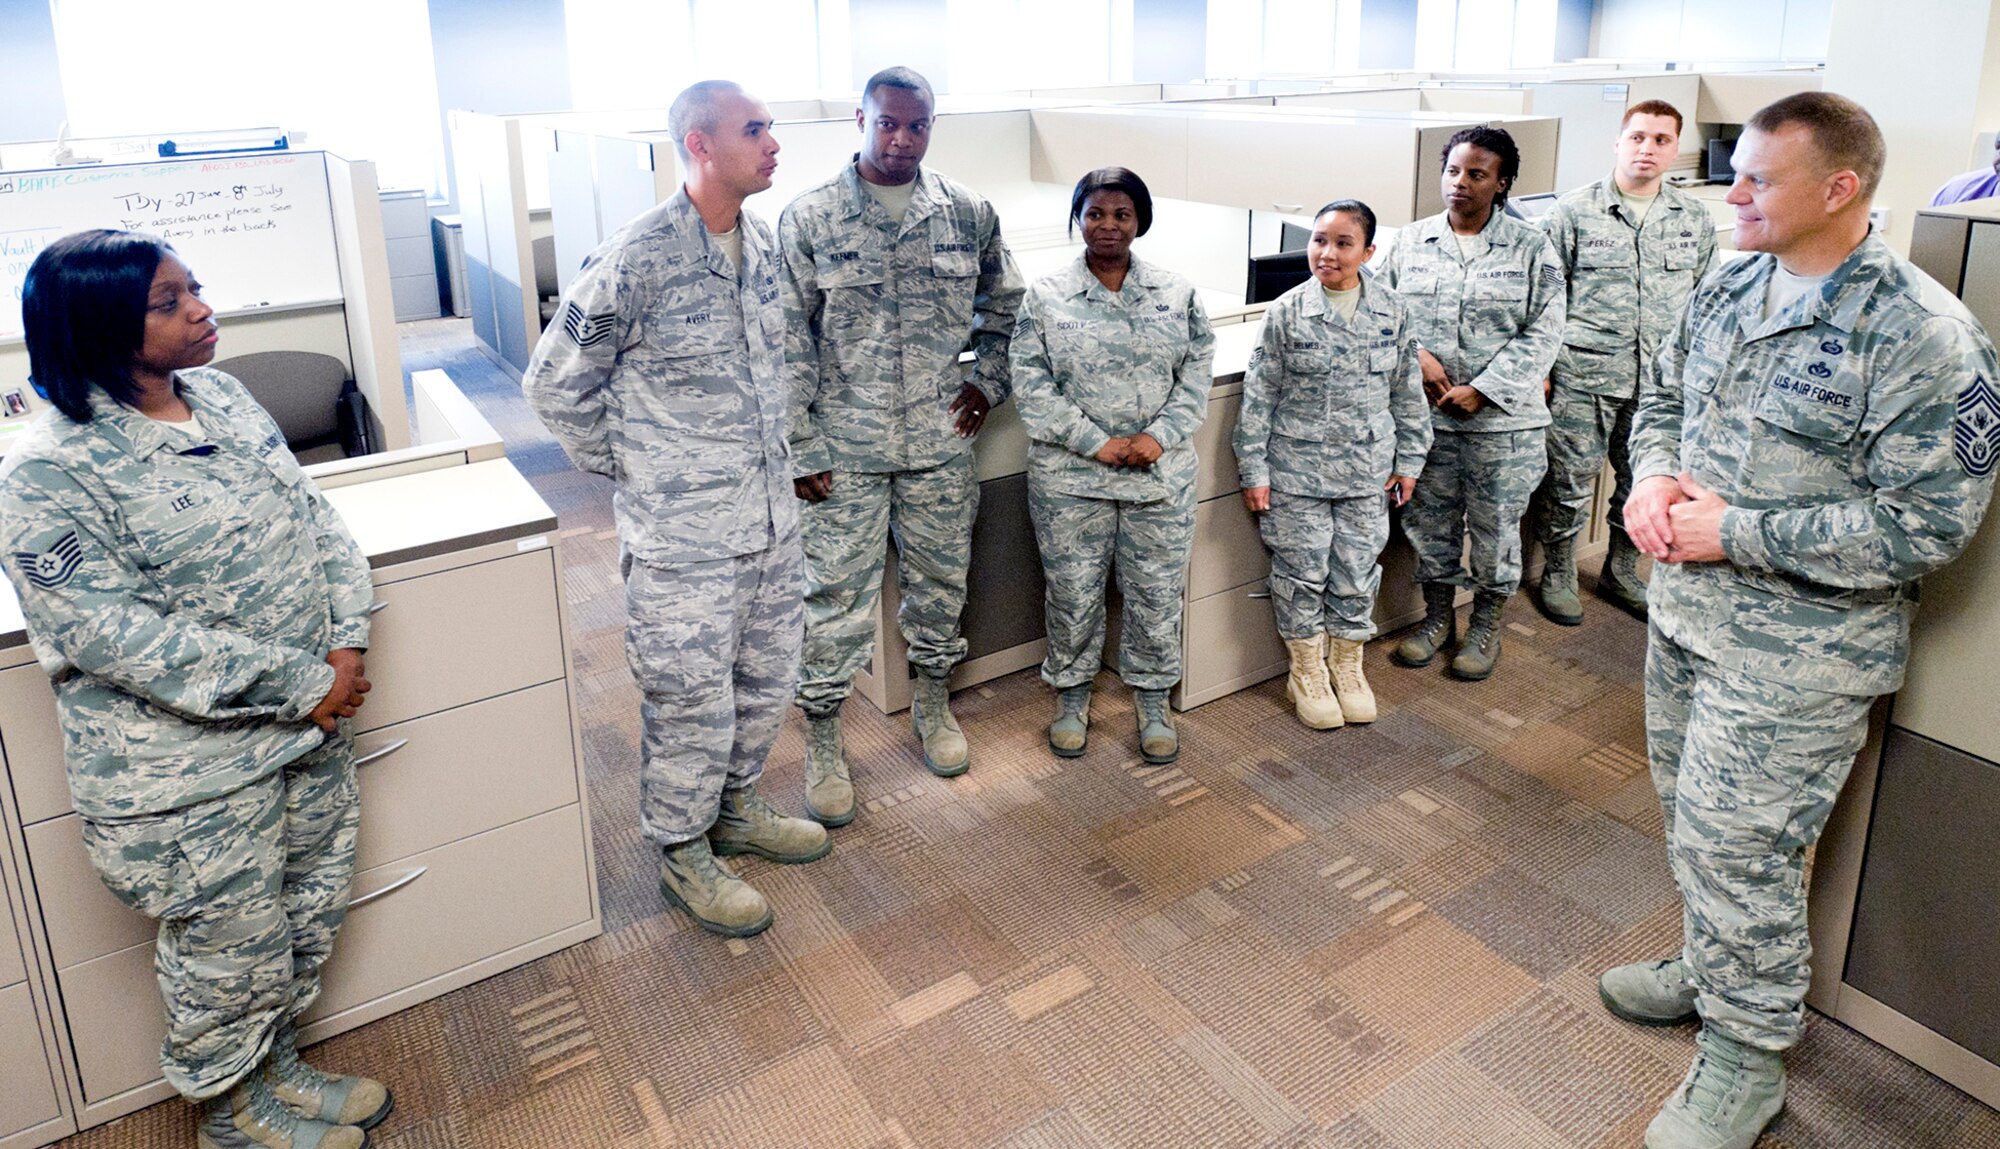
(310, 397)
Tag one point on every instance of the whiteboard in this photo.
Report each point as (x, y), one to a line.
(256, 230)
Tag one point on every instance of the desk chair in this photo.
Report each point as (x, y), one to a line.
(304, 392)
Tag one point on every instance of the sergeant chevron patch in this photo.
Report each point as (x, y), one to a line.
(1975, 433)
(586, 330)
(52, 568)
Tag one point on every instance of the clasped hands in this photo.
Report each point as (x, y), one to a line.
(349, 686)
(1140, 450)
(1676, 520)
(1459, 400)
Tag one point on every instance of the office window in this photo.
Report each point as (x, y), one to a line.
(639, 53)
(1485, 35)
(358, 79)
(1298, 36)
(1007, 45)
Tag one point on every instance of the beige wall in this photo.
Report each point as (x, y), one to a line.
(1926, 70)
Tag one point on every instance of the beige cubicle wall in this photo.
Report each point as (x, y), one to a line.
(493, 212)
(1733, 97)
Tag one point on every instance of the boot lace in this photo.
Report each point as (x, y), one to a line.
(1715, 1072)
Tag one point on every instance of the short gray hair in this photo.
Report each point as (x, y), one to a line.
(1842, 131)
(694, 111)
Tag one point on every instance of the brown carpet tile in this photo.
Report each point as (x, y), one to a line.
(1373, 938)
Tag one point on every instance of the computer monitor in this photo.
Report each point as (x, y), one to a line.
(1273, 275)
(1719, 168)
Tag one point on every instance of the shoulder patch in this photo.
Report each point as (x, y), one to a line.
(1552, 276)
(54, 567)
(1975, 432)
(586, 330)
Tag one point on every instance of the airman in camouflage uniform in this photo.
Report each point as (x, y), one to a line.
(663, 371)
(1798, 466)
(1490, 309)
(1332, 409)
(1091, 365)
(878, 308)
(183, 589)
(1629, 278)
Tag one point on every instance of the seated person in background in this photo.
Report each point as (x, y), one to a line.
(1333, 417)
(1112, 363)
(202, 612)
(1979, 183)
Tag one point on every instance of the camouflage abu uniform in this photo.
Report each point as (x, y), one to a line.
(1628, 284)
(182, 592)
(1494, 318)
(1091, 365)
(876, 314)
(1830, 431)
(663, 372)
(1331, 408)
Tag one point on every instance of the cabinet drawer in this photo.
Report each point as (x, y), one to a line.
(412, 255)
(27, 1085)
(33, 741)
(405, 215)
(461, 635)
(1228, 551)
(469, 900)
(1232, 642)
(445, 776)
(1216, 474)
(84, 920)
(473, 899)
(13, 966)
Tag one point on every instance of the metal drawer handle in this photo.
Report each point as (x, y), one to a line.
(378, 606)
(391, 888)
(384, 752)
(1265, 593)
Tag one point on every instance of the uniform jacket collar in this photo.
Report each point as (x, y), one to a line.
(1838, 303)
(1313, 303)
(1607, 200)
(139, 436)
(1079, 281)
(685, 218)
(856, 202)
(1496, 233)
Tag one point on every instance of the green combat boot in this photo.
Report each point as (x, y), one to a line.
(1158, 743)
(1437, 631)
(1620, 581)
(1649, 992)
(330, 1097)
(829, 791)
(250, 1116)
(1730, 1093)
(1071, 728)
(1480, 651)
(1556, 593)
(746, 824)
(945, 752)
(692, 878)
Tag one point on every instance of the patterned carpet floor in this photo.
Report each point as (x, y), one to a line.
(1383, 937)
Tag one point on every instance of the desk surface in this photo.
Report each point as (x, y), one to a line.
(402, 519)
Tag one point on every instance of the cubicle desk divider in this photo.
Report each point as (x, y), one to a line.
(1733, 97)
(493, 210)
(475, 853)
(355, 323)
(1906, 947)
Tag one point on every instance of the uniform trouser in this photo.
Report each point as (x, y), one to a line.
(1083, 540)
(249, 889)
(715, 649)
(1475, 483)
(1747, 771)
(1324, 563)
(929, 514)
(1585, 429)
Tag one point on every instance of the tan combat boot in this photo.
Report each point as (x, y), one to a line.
(692, 878)
(1343, 665)
(250, 1116)
(1307, 687)
(746, 824)
(829, 789)
(945, 752)
(334, 1098)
